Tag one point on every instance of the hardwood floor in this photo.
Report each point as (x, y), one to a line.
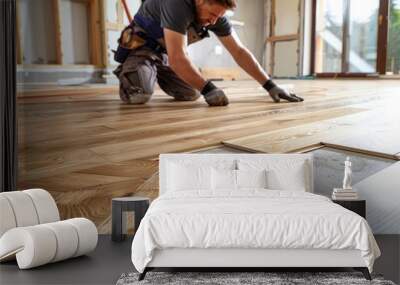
(371, 128)
(86, 147)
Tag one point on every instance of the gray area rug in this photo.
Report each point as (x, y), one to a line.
(269, 278)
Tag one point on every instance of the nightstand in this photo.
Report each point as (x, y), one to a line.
(357, 206)
(138, 205)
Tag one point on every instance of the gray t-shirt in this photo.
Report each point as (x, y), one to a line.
(175, 15)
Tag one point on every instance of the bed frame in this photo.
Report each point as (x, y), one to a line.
(242, 259)
(246, 259)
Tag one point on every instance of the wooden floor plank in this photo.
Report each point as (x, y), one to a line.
(295, 138)
(195, 137)
(376, 133)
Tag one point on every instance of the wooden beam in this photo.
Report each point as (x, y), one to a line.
(383, 27)
(18, 39)
(58, 33)
(265, 54)
(95, 32)
(313, 35)
(91, 19)
(283, 38)
(299, 63)
(273, 18)
(272, 34)
(103, 32)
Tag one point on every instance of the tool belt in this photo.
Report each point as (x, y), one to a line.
(134, 37)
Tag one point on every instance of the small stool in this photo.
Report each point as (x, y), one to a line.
(138, 205)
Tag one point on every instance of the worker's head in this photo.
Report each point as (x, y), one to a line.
(209, 11)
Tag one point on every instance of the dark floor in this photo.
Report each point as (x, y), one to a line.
(110, 260)
(103, 266)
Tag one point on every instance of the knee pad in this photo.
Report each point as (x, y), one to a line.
(133, 95)
(137, 79)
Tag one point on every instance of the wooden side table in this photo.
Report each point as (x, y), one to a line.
(356, 206)
(138, 205)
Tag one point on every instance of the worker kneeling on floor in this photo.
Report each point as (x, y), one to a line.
(153, 48)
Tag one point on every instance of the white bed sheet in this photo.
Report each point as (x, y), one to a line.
(252, 218)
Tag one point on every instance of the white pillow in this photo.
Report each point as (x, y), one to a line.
(290, 174)
(226, 179)
(193, 174)
(295, 180)
(251, 178)
(223, 179)
(184, 178)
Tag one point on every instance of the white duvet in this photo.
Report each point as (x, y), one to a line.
(250, 219)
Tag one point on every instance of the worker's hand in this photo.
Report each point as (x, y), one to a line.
(278, 93)
(216, 97)
(213, 95)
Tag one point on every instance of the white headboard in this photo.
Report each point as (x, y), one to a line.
(165, 159)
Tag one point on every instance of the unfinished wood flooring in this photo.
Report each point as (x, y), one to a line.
(86, 147)
(371, 127)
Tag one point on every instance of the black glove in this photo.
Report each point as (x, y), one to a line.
(213, 95)
(278, 93)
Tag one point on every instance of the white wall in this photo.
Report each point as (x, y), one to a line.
(75, 32)
(37, 31)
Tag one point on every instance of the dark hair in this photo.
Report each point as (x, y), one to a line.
(230, 4)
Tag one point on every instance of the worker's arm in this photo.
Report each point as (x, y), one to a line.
(246, 60)
(183, 67)
(180, 62)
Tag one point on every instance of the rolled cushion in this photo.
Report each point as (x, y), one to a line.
(87, 234)
(33, 246)
(23, 208)
(67, 240)
(7, 218)
(41, 244)
(26, 208)
(45, 205)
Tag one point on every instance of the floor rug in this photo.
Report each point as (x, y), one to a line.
(244, 278)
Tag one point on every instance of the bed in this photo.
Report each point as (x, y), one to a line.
(247, 211)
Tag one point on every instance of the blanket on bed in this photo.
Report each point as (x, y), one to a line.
(250, 219)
